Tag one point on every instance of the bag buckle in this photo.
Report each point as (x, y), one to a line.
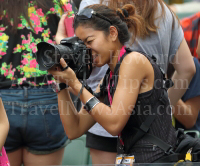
(168, 83)
(169, 151)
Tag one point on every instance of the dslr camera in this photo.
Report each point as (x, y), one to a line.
(75, 53)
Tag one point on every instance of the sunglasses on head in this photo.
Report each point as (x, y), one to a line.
(87, 13)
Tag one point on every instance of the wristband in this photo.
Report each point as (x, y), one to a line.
(91, 103)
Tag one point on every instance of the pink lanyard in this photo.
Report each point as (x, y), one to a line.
(122, 51)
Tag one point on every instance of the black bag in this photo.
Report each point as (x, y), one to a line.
(186, 149)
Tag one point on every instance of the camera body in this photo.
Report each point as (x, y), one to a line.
(72, 50)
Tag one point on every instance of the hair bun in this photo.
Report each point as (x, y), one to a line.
(125, 12)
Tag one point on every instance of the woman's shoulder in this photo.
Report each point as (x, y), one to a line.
(136, 62)
(135, 57)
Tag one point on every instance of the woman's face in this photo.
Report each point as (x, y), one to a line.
(100, 44)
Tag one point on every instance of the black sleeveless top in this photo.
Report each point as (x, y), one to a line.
(146, 104)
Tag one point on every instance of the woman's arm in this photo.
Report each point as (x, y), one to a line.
(134, 69)
(184, 71)
(198, 48)
(113, 118)
(75, 123)
(4, 125)
(187, 112)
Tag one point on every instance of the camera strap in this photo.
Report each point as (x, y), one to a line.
(84, 82)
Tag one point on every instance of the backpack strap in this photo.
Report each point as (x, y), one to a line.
(173, 158)
(195, 157)
(142, 131)
(103, 86)
(116, 70)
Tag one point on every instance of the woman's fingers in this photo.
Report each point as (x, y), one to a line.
(63, 63)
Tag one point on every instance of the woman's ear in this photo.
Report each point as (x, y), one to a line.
(113, 33)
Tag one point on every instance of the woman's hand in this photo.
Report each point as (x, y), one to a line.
(61, 31)
(67, 76)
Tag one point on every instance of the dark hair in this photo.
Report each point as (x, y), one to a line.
(146, 8)
(15, 8)
(129, 23)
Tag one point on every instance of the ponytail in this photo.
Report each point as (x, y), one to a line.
(134, 21)
(145, 8)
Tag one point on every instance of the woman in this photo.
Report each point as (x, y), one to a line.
(165, 40)
(105, 32)
(36, 135)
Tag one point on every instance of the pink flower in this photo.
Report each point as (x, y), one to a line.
(24, 61)
(33, 63)
(33, 83)
(52, 9)
(32, 45)
(50, 41)
(40, 13)
(19, 25)
(2, 29)
(11, 72)
(50, 82)
(34, 50)
(6, 72)
(67, 7)
(2, 53)
(38, 29)
(25, 41)
(35, 19)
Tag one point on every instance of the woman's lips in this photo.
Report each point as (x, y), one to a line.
(94, 57)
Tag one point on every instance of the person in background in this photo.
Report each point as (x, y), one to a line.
(4, 128)
(102, 145)
(4, 125)
(187, 108)
(36, 135)
(191, 29)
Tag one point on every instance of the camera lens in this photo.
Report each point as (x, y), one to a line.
(49, 56)
(72, 50)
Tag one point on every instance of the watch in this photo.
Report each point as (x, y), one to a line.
(57, 87)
